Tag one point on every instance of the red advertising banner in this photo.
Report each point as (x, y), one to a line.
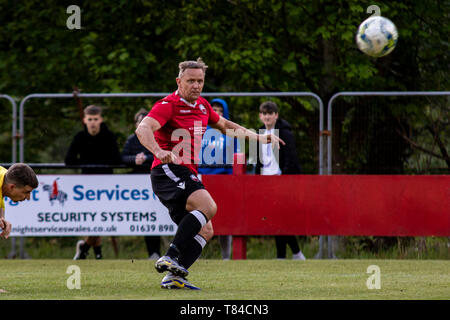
(352, 205)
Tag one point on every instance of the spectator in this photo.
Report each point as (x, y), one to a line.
(96, 144)
(286, 163)
(137, 156)
(217, 148)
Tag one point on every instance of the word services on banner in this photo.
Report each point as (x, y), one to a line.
(78, 205)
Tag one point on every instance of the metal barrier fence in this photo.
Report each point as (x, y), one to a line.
(144, 95)
(21, 133)
(331, 104)
(365, 94)
(97, 166)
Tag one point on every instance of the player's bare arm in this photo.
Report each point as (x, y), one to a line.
(231, 128)
(145, 135)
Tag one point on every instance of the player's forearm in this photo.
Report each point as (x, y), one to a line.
(240, 132)
(2, 213)
(147, 139)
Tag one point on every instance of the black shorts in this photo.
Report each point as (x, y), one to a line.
(173, 184)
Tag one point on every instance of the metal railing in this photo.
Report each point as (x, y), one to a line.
(331, 239)
(373, 93)
(98, 166)
(156, 94)
(21, 134)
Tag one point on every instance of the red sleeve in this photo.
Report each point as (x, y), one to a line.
(213, 116)
(161, 112)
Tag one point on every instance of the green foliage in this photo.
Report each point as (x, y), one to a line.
(392, 135)
(135, 46)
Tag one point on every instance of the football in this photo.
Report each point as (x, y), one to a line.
(377, 36)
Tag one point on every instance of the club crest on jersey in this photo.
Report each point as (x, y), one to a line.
(202, 108)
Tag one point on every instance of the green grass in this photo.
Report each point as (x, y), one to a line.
(223, 280)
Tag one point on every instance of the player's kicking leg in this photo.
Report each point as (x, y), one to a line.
(191, 253)
(190, 207)
(200, 208)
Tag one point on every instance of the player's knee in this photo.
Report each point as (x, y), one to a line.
(212, 209)
(209, 209)
(201, 200)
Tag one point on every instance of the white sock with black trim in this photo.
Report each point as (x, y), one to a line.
(200, 217)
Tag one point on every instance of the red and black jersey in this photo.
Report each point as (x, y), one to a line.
(182, 127)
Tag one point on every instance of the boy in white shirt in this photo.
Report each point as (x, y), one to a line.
(277, 162)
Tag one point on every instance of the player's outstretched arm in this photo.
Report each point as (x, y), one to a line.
(145, 131)
(232, 129)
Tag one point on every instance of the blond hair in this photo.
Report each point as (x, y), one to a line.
(191, 64)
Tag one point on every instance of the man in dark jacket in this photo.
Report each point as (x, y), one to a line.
(134, 153)
(283, 162)
(96, 144)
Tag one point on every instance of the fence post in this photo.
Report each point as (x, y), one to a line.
(239, 242)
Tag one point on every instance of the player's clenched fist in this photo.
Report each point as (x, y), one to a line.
(166, 156)
(6, 227)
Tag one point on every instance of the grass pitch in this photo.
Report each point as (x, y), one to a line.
(226, 280)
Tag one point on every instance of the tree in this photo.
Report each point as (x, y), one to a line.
(135, 46)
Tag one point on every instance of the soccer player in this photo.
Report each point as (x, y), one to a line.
(16, 183)
(173, 131)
